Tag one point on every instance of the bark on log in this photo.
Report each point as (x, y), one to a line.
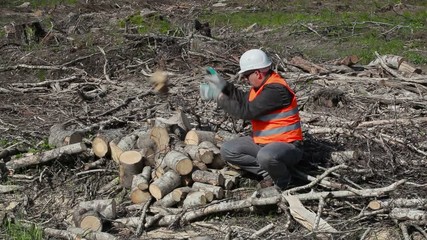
(142, 180)
(210, 146)
(91, 235)
(216, 190)
(178, 124)
(147, 147)
(399, 202)
(109, 185)
(194, 199)
(404, 214)
(59, 136)
(181, 193)
(105, 207)
(195, 137)
(130, 164)
(178, 162)
(46, 156)
(167, 201)
(406, 67)
(197, 153)
(390, 60)
(200, 165)
(212, 178)
(165, 184)
(100, 143)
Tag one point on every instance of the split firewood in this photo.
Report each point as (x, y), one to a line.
(164, 184)
(178, 162)
(197, 153)
(100, 143)
(59, 136)
(46, 156)
(194, 199)
(88, 220)
(212, 178)
(142, 180)
(131, 163)
(399, 202)
(216, 190)
(195, 137)
(160, 136)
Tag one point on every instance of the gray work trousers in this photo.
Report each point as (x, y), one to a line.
(272, 159)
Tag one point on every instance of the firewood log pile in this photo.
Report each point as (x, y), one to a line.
(365, 155)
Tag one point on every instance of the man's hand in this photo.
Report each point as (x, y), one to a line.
(208, 91)
(214, 79)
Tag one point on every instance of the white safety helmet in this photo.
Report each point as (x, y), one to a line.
(253, 59)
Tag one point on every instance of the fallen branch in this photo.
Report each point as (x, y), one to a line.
(46, 156)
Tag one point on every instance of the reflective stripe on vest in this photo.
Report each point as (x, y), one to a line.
(280, 125)
(273, 116)
(284, 129)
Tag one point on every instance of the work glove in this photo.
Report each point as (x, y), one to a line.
(209, 91)
(214, 79)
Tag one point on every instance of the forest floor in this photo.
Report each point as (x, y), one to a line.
(89, 67)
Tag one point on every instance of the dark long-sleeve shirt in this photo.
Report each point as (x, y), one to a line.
(237, 104)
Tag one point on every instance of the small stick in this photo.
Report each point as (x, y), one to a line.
(319, 213)
(315, 181)
(141, 223)
(262, 231)
(404, 229)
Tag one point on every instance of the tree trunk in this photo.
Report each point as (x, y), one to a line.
(100, 143)
(216, 179)
(195, 137)
(59, 136)
(178, 162)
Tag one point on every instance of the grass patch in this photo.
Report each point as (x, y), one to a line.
(17, 231)
(151, 24)
(361, 31)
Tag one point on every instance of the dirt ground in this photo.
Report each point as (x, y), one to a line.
(92, 73)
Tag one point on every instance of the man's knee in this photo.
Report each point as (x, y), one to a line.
(265, 159)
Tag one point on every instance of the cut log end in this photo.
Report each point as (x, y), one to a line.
(100, 148)
(91, 223)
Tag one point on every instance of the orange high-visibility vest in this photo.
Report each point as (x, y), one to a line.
(281, 125)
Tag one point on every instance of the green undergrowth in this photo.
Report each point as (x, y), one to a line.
(17, 231)
(360, 31)
(150, 24)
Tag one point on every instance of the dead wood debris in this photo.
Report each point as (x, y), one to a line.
(362, 124)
